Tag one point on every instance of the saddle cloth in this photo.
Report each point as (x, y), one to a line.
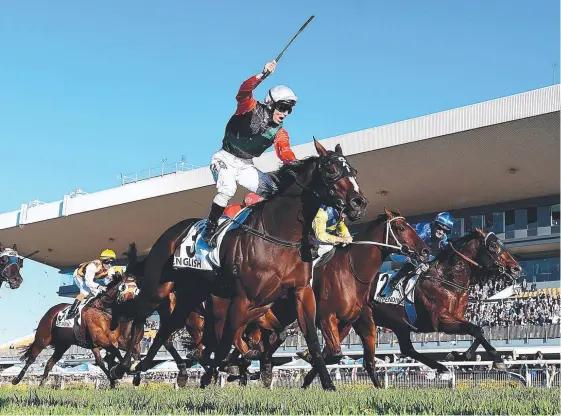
(63, 322)
(399, 296)
(193, 253)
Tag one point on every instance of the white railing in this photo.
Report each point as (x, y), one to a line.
(519, 373)
(162, 170)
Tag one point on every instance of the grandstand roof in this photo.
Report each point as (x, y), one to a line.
(448, 160)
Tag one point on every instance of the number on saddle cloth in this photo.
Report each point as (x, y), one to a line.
(193, 253)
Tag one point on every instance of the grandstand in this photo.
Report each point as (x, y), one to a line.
(478, 162)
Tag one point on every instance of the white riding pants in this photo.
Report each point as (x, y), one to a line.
(229, 170)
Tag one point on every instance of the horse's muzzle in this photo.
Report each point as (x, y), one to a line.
(357, 207)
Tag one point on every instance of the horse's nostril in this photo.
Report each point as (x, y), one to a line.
(357, 202)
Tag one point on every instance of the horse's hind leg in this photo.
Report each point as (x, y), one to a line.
(306, 312)
(30, 356)
(55, 358)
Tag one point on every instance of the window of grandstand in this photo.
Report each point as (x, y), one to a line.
(555, 215)
(540, 270)
(458, 229)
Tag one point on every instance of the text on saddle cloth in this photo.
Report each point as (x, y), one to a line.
(63, 322)
(193, 253)
(396, 294)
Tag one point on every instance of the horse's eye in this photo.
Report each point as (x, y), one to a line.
(400, 228)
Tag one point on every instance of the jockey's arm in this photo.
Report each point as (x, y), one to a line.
(282, 146)
(342, 230)
(110, 276)
(320, 228)
(89, 276)
(245, 99)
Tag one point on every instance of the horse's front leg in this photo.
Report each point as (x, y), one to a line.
(331, 351)
(306, 313)
(450, 325)
(365, 327)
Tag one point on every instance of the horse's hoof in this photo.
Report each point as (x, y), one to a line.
(232, 378)
(116, 372)
(182, 379)
(15, 381)
(206, 379)
(329, 387)
(136, 379)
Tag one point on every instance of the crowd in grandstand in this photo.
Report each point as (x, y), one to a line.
(542, 308)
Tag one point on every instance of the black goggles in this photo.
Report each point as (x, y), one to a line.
(283, 107)
(444, 229)
(107, 261)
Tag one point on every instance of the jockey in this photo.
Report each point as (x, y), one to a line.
(329, 229)
(85, 275)
(435, 235)
(253, 128)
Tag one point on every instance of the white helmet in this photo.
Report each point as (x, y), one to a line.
(280, 93)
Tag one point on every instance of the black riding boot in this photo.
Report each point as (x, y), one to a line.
(406, 271)
(73, 309)
(216, 212)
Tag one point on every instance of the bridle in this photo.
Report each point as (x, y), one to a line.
(13, 259)
(494, 248)
(388, 231)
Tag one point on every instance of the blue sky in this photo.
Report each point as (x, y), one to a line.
(89, 90)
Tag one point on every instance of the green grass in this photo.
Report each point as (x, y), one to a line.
(257, 400)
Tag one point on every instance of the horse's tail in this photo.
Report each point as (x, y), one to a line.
(44, 331)
(160, 254)
(27, 353)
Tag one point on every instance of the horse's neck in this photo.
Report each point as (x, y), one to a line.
(104, 302)
(457, 269)
(287, 212)
(367, 258)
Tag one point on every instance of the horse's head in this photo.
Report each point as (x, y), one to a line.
(494, 258)
(338, 180)
(403, 237)
(10, 264)
(121, 289)
(127, 290)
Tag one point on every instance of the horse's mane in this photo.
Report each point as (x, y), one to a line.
(287, 173)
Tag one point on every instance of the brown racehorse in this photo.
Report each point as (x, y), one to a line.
(341, 287)
(262, 261)
(441, 295)
(10, 264)
(96, 321)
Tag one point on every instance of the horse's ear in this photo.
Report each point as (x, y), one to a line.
(339, 149)
(15, 247)
(388, 212)
(319, 148)
(480, 231)
(398, 212)
(1, 246)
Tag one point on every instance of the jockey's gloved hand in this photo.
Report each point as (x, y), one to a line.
(423, 267)
(345, 240)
